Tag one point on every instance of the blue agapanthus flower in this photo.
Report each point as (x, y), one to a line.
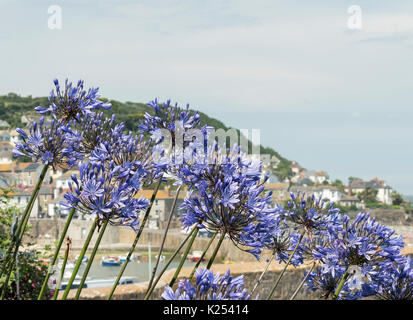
(323, 282)
(227, 198)
(72, 102)
(177, 130)
(101, 189)
(49, 143)
(132, 154)
(311, 214)
(92, 130)
(209, 286)
(363, 249)
(396, 281)
(278, 237)
(166, 116)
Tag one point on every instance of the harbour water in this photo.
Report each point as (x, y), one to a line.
(137, 269)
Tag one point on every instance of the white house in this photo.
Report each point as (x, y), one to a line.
(20, 199)
(62, 182)
(384, 191)
(329, 193)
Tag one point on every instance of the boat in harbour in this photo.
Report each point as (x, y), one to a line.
(161, 259)
(99, 282)
(132, 258)
(110, 261)
(195, 256)
(84, 259)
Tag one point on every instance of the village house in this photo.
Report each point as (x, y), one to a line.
(326, 192)
(6, 152)
(46, 194)
(280, 193)
(5, 135)
(159, 214)
(54, 205)
(62, 180)
(15, 137)
(384, 191)
(19, 199)
(27, 175)
(4, 124)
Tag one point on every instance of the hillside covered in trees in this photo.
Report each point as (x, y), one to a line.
(13, 107)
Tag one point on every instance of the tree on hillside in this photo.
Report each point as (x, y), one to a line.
(339, 184)
(397, 198)
(351, 179)
(369, 195)
(284, 172)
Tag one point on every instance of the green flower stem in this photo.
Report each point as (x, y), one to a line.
(302, 282)
(202, 256)
(56, 253)
(79, 261)
(341, 285)
(9, 263)
(181, 263)
(285, 267)
(150, 291)
(155, 268)
(62, 272)
(16, 240)
(263, 272)
(214, 254)
(138, 235)
(168, 263)
(91, 258)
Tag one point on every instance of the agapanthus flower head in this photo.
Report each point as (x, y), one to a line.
(131, 153)
(363, 246)
(310, 213)
(166, 116)
(50, 144)
(396, 282)
(209, 286)
(103, 190)
(93, 129)
(323, 282)
(177, 130)
(71, 102)
(279, 238)
(230, 199)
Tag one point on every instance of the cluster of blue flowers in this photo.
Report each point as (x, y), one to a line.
(112, 165)
(48, 143)
(396, 281)
(228, 197)
(209, 287)
(361, 252)
(73, 102)
(108, 191)
(170, 118)
(225, 195)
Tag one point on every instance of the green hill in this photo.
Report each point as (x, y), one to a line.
(13, 107)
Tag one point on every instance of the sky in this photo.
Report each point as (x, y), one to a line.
(330, 97)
